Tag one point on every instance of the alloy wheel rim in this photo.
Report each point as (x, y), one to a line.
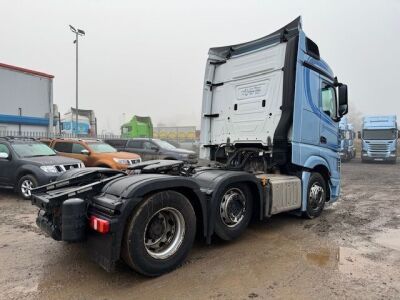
(316, 195)
(164, 233)
(26, 187)
(232, 207)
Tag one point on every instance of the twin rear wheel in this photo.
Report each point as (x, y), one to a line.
(233, 211)
(159, 234)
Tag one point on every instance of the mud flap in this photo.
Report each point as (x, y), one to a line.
(305, 178)
(334, 186)
(101, 249)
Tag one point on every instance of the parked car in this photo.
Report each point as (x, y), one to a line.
(95, 153)
(26, 163)
(150, 149)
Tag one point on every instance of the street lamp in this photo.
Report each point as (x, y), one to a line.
(78, 32)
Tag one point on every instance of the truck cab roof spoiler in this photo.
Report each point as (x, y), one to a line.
(281, 35)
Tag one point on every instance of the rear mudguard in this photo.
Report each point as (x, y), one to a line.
(213, 183)
(121, 196)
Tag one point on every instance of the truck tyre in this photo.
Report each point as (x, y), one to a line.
(159, 234)
(316, 196)
(234, 211)
(25, 184)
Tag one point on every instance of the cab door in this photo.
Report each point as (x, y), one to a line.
(329, 141)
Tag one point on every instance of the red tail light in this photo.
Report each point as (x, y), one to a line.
(100, 225)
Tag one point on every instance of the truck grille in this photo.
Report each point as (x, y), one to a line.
(378, 147)
(134, 161)
(63, 168)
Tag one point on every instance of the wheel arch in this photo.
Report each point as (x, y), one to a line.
(137, 192)
(102, 164)
(26, 170)
(320, 165)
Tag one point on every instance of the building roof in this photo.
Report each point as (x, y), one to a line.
(23, 70)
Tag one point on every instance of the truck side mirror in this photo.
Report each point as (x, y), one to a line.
(359, 134)
(343, 104)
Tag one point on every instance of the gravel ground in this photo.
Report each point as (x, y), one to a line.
(351, 251)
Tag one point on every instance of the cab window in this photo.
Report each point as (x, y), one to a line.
(328, 100)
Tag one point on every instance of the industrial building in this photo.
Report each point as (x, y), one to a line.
(26, 101)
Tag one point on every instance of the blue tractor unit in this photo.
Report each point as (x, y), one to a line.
(379, 138)
(347, 135)
(269, 128)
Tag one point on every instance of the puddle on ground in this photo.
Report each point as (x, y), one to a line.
(389, 239)
(345, 260)
(321, 257)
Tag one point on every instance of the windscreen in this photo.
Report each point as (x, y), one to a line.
(101, 148)
(32, 149)
(379, 134)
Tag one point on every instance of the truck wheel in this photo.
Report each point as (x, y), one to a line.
(159, 234)
(316, 196)
(234, 211)
(25, 184)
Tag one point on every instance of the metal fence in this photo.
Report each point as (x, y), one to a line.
(39, 135)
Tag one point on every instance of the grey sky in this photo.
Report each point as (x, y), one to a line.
(148, 57)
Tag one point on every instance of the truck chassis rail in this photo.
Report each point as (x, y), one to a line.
(52, 195)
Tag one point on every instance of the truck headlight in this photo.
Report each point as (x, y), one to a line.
(122, 161)
(49, 169)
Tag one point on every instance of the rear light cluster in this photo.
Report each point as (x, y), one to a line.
(99, 225)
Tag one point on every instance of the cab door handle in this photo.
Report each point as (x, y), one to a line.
(322, 139)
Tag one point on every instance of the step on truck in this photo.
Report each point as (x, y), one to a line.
(347, 135)
(379, 138)
(269, 128)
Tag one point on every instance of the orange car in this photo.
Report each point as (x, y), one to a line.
(94, 153)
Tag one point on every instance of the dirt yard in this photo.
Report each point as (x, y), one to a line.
(351, 251)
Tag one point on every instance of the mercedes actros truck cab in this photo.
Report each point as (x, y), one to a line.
(269, 131)
(274, 105)
(379, 138)
(347, 135)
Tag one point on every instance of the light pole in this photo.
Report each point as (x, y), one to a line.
(78, 32)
